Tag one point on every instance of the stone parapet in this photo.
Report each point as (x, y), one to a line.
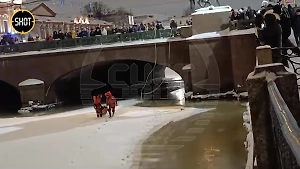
(243, 59)
(259, 105)
(265, 150)
(264, 55)
(186, 31)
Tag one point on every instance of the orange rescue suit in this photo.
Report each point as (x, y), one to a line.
(97, 105)
(97, 99)
(111, 103)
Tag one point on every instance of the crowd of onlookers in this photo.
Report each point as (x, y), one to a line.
(287, 19)
(9, 39)
(243, 14)
(275, 24)
(85, 32)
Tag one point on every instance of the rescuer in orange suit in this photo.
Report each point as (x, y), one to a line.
(111, 103)
(97, 104)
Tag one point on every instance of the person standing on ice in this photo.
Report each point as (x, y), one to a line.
(111, 103)
(97, 104)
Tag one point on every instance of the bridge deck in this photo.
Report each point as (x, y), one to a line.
(119, 44)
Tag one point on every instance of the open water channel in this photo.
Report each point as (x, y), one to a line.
(210, 140)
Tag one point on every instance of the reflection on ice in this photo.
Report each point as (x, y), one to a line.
(179, 94)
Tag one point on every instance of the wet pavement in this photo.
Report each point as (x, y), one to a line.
(210, 140)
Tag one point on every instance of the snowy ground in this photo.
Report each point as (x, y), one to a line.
(78, 139)
(249, 143)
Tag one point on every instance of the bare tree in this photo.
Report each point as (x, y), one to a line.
(188, 11)
(121, 15)
(118, 16)
(103, 12)
(95, 8)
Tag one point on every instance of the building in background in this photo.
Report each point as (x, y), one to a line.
(49, 20)
(7, 9)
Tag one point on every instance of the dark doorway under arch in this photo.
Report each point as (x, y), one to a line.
(10, 99)
(116, 76)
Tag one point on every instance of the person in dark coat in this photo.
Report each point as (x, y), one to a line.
(250, 13)
(296, 26)
(285, 23)
(173, 24)
(271, 35)
(97, 31)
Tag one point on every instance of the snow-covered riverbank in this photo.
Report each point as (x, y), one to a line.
(4, 122)
(217, 96)
(249, 143)
(107, 144)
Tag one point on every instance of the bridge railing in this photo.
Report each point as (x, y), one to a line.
(273, 97)
(289, 57)
(87, 41)
(274, 106)
(286, 132)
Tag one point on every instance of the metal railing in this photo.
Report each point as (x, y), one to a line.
(87, 41)
(289, 57)
(286, 132)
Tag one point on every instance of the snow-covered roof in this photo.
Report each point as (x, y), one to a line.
(62, 11)
(30, 82)
(187, 67)
(60, 19)
(212, 9)
(205, 35)
(221, 33)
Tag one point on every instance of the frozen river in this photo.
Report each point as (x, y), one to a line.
(203, 135)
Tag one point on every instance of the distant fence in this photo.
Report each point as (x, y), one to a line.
(87, 41)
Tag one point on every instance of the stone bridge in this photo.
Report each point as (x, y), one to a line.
(214, 62)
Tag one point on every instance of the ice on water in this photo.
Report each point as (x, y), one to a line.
(98, 146)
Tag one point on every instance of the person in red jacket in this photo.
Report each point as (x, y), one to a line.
(111, 103)
(97, 104)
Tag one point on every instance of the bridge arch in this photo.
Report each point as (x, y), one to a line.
(10, 98)
(50, 66)
(77, 85)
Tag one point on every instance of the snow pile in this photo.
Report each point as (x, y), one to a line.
(30, 82)
(212, 9)
(25, 110)
(205, 35)
(229, 94)
(249, 143)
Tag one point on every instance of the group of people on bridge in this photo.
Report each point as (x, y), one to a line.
(274, 25)
(10, 39)
(111, 103)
